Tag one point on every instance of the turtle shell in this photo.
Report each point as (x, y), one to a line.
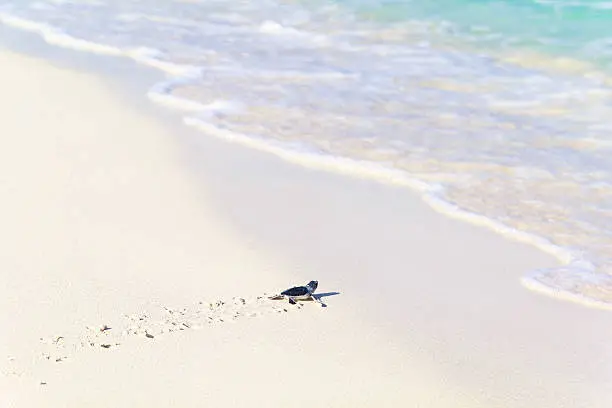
(296, 291)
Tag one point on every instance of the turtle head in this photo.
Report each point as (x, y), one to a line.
(312, 285)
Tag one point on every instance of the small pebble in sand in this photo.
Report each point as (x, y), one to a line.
(105, 346)
(149, 335)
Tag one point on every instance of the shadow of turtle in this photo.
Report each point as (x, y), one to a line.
(318, 296)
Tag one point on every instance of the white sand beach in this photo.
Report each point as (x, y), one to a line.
(112, 217)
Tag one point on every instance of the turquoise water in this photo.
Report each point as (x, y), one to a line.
(577, 29)
(497, 113)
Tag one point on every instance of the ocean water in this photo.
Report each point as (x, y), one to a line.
(497, 112)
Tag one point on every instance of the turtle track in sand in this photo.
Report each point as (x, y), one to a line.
(148, 324)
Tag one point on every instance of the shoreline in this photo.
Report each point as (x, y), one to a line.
(161, 79)
(432, 328)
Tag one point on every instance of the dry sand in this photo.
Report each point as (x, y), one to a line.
(109, 217)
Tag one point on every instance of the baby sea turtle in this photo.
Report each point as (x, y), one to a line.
(299, 293)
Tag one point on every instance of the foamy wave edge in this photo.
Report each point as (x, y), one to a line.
(573, 264)
(160, 93)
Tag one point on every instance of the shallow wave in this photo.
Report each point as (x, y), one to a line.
(56, 36)
(492, 138)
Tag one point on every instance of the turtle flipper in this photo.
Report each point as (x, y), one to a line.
(291, 300)
(316, 299)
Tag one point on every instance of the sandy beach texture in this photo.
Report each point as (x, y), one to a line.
(135, 255)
